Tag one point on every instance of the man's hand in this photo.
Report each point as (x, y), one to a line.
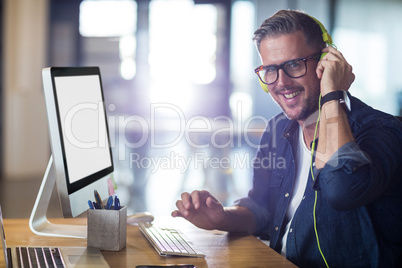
(335, 74)
(201, 209)
(204, 211)
(334, 71)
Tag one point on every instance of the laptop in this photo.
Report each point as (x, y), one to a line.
(18, 256)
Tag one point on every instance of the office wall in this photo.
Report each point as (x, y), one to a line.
(25, 146)
(368, 32)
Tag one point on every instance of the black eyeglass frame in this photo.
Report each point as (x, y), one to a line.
(257, 70)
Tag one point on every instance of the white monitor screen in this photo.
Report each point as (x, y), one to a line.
(83, 125)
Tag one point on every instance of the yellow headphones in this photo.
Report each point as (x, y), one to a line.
(325, 36)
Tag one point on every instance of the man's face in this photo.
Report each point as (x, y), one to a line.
(298, 97)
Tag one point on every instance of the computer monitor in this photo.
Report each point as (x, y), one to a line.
(81, 159)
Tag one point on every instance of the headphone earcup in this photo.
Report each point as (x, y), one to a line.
(264, 86)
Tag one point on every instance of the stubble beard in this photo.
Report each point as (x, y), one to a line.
(309, 107)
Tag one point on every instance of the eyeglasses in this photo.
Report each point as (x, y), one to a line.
(295, 68)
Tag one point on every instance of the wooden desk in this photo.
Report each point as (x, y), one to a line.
(221, 249)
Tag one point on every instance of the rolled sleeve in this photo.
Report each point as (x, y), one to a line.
(341, 178)
(349, 158)
(261, 215)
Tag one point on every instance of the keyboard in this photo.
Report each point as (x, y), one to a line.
(168, 241)
(39, 257)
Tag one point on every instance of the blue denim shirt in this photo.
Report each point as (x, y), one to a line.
(359, 194)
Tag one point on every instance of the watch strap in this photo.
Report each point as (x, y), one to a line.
(334, 95)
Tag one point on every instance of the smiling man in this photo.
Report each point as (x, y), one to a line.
(338, 207)
(298, 98)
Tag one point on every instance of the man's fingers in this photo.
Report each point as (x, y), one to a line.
(176, 213)
(334, 71)
(199, 198)
(181, 208)
(186, 200)
(319, 70)
(192, 201)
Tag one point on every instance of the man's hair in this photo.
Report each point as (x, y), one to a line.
(287, 22)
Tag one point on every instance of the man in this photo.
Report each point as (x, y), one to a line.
(341, 208)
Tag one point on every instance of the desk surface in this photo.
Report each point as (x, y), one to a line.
(221, 249)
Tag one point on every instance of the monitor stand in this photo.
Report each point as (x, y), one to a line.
(38, 221)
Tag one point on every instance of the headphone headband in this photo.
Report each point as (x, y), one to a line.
(325, 35)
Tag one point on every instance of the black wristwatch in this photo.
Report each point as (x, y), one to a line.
(334, 95)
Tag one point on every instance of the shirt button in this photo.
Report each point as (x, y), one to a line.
(304, 197)
(276, 228)
(290, 230)
(287, 195)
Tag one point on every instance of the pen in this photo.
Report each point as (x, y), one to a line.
(98, 199)
(91, 206)
(116, 203)
(109, 202)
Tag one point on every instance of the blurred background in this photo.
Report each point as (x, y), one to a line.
(184, 106)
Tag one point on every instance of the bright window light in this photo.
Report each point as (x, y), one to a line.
(242, 59)
(182, 50)
(107, 18)
(127, 68)
(243, 49)
(371, 72)
(113, 19)
(183, 41)
(241, 105)
(127, 46)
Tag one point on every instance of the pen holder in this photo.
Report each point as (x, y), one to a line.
(107, 229)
